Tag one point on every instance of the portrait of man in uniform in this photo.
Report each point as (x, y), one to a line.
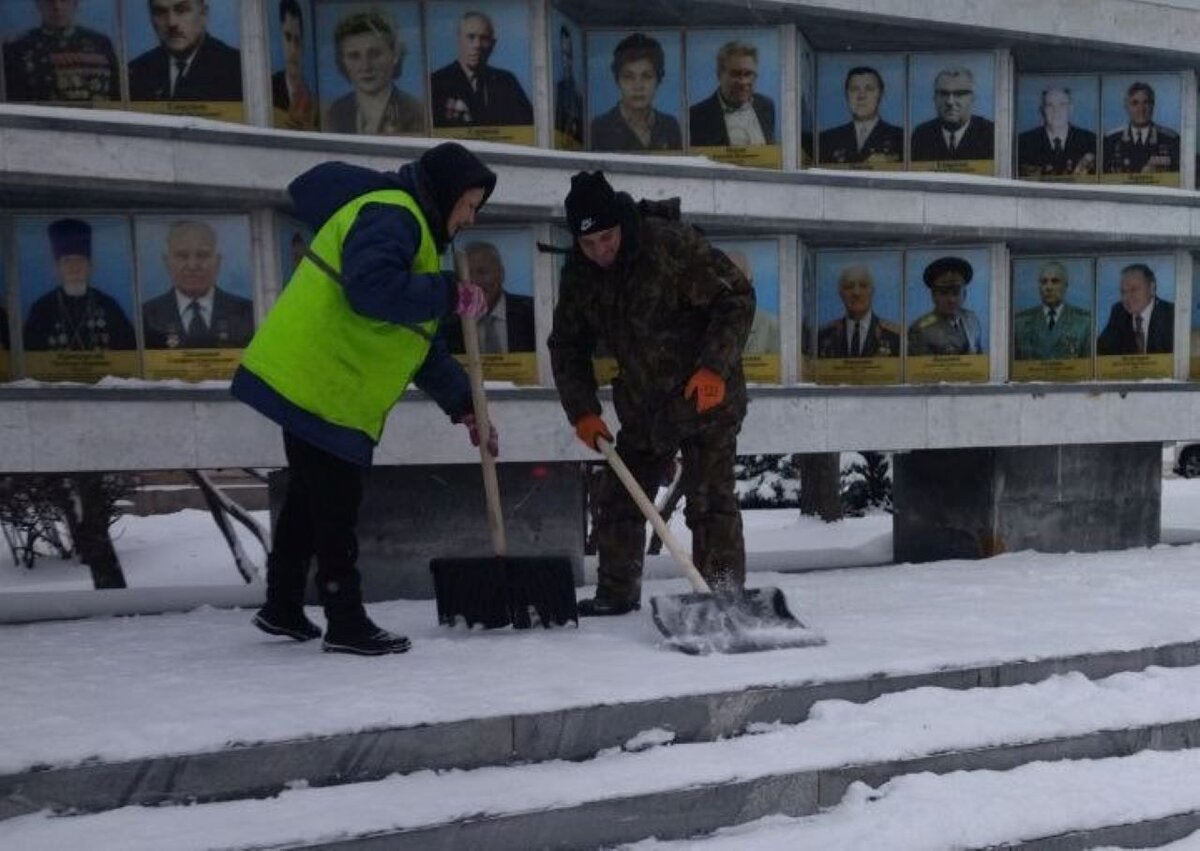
(568, 99)
(956, 133)
(866, 137)
(1140, 322)
(1057, 147)
(61, 60)
(196, 312)
(1054, 329)
(508, 325)
(76, 315)
(950, 328)
(370, 55)
(189, 63)
(469, 92)
(290, 92)
(860, 332)
(1140, 145)
(734, 114)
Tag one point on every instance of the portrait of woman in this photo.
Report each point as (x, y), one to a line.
(370, 55)
(634, 124)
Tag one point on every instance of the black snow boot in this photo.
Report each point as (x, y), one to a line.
(606, 607)
(356, 633)
(285, 620)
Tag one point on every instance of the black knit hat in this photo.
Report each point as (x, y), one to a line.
(70, 237)
(591, 204)
(451, 170)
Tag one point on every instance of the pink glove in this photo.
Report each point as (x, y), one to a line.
(472, 303)
(493, 441)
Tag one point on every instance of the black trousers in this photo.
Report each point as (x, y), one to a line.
(319, 518)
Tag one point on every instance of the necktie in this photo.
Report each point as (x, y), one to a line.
(490, 338)
(196, 327)
(180, 67)
(1058, 150)
(951, 144)
(855, 341)
(1050, 323)
(1139, 334)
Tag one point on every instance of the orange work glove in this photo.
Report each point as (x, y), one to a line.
(589, 428)
(707, 387)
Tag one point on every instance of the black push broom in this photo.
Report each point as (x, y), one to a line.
(500, 589)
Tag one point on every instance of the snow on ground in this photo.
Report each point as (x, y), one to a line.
(121, 688)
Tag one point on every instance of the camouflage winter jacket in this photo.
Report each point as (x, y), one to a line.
(669, 305)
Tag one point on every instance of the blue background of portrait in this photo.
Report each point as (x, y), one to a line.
(702, 47)
(224, 21)
(923, 68)
(977, 294)
(1166, 99)
(112, 259)
(763, 256)
(308, 62)
(406, 19)
(1085, 99)
(513, 51)
(233, 244)
(886, 270)
(602, 88)
(1081, 289)
(516, 251)
(19, 16)
(1108, 280)
(831, 86)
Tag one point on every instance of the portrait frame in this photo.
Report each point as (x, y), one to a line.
(926, 147)
(21, 21)
(1130, 365)
(1033, 155)
(407, 109)
(512, 56)
(1194, 325)
(603, 95)
(167, 353)
(924, 330)
(1161, 159)
(836, 143)
(9, 328)
(761, 255)
(304, 115)
(60, 348)
(705, 120)
(806, 94)
(567, 95)
(881, 359)
(1064, 353)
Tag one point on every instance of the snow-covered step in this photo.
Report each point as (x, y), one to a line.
(679, 790)
(264, 768)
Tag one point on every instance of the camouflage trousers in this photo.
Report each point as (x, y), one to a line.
(711, 512)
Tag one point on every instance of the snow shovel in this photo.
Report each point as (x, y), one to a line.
(500, 589)
(705, 622)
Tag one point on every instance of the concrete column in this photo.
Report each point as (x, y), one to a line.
(975, 503)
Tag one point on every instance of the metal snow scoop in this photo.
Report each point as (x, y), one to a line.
(707, 622)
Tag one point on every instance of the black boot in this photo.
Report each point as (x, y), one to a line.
(288, 621)
(354, 632)
(604, 607)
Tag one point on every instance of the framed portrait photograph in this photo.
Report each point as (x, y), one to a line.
(759, 261)
(635, 91)
(858, 308)
(1194, 325)
(76, 282)
(1135, 316)
(952, 112)
(1053, 318)
(197, 303)
(947, 294)
(734, 83)
(480, 80)
(1058, 127)
(185, 58)
(371, 69)
(64, 53)
(290, 27)
(566, 55)
(6, 331)
(500, 261)
(860, 110)
(1141, 117)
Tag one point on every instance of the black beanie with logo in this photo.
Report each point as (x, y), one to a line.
(591, 204)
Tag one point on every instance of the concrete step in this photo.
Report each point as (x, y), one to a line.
(684, 790)
(259, 769)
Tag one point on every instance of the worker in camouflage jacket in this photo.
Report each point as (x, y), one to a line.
(675, 314)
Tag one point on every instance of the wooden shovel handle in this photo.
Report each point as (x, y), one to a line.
(491, 484)
(651, 514)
